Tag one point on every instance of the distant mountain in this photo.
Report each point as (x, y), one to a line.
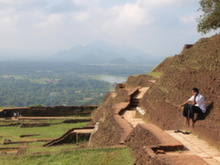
(102, 52)
(120, 61)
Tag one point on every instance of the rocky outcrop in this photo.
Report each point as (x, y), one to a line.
(198, 67)
(170, 84)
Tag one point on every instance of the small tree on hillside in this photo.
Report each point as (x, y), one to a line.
(210, 19)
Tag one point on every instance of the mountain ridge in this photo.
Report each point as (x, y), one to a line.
(103, 52)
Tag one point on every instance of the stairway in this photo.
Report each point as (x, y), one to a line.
(129, 116)
(124, 113)
(129, 113)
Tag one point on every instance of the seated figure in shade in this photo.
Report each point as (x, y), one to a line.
(195, 104)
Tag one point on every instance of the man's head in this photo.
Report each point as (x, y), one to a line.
(195, 90)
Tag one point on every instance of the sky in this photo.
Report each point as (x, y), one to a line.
(157, 27)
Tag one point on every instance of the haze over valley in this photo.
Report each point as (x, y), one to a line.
(25, 83)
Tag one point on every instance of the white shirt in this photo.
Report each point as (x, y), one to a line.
(200, 102)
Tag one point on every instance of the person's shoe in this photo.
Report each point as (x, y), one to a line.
(186, 133)
(178, 131)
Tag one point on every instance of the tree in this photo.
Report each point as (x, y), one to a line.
(210, 19)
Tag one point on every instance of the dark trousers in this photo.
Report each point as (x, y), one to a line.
(189, 110)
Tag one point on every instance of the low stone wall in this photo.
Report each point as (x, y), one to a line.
(49, 111)
(70, 137)
(145, 138)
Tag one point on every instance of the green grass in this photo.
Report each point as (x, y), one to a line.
(109, 156)
(38, 147)
(57, 155)
(164, 89)
(13, 132)
(54, 131)
(155, 74)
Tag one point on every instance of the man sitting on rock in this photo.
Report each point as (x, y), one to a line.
(195, 104)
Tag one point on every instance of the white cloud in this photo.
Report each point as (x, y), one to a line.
(86, 2)
(50, 21)
(164, 3)
(131, 14)
(190, 18)
(8, 23)
(13, 1)
(18, 2)
(64, 23)
(81, 16)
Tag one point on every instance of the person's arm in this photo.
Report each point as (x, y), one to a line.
(186, 102)
(194, 99)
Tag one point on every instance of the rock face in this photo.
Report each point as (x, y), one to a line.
(170, 84)
(197, 66)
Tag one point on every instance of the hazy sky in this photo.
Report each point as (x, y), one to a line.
(158, 27)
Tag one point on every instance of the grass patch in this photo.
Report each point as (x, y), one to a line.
(53, 131)
(38, 147)
(164, 89)
(155, 74)
(13, 132)
(169, 57)
(76, 157)
(57, 155)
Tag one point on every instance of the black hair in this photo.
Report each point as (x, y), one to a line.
(196, 90)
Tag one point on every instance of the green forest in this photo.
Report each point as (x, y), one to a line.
(54, 83)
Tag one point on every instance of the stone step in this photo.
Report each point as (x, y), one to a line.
(141, 93)
(197, 147)
(166, 142)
